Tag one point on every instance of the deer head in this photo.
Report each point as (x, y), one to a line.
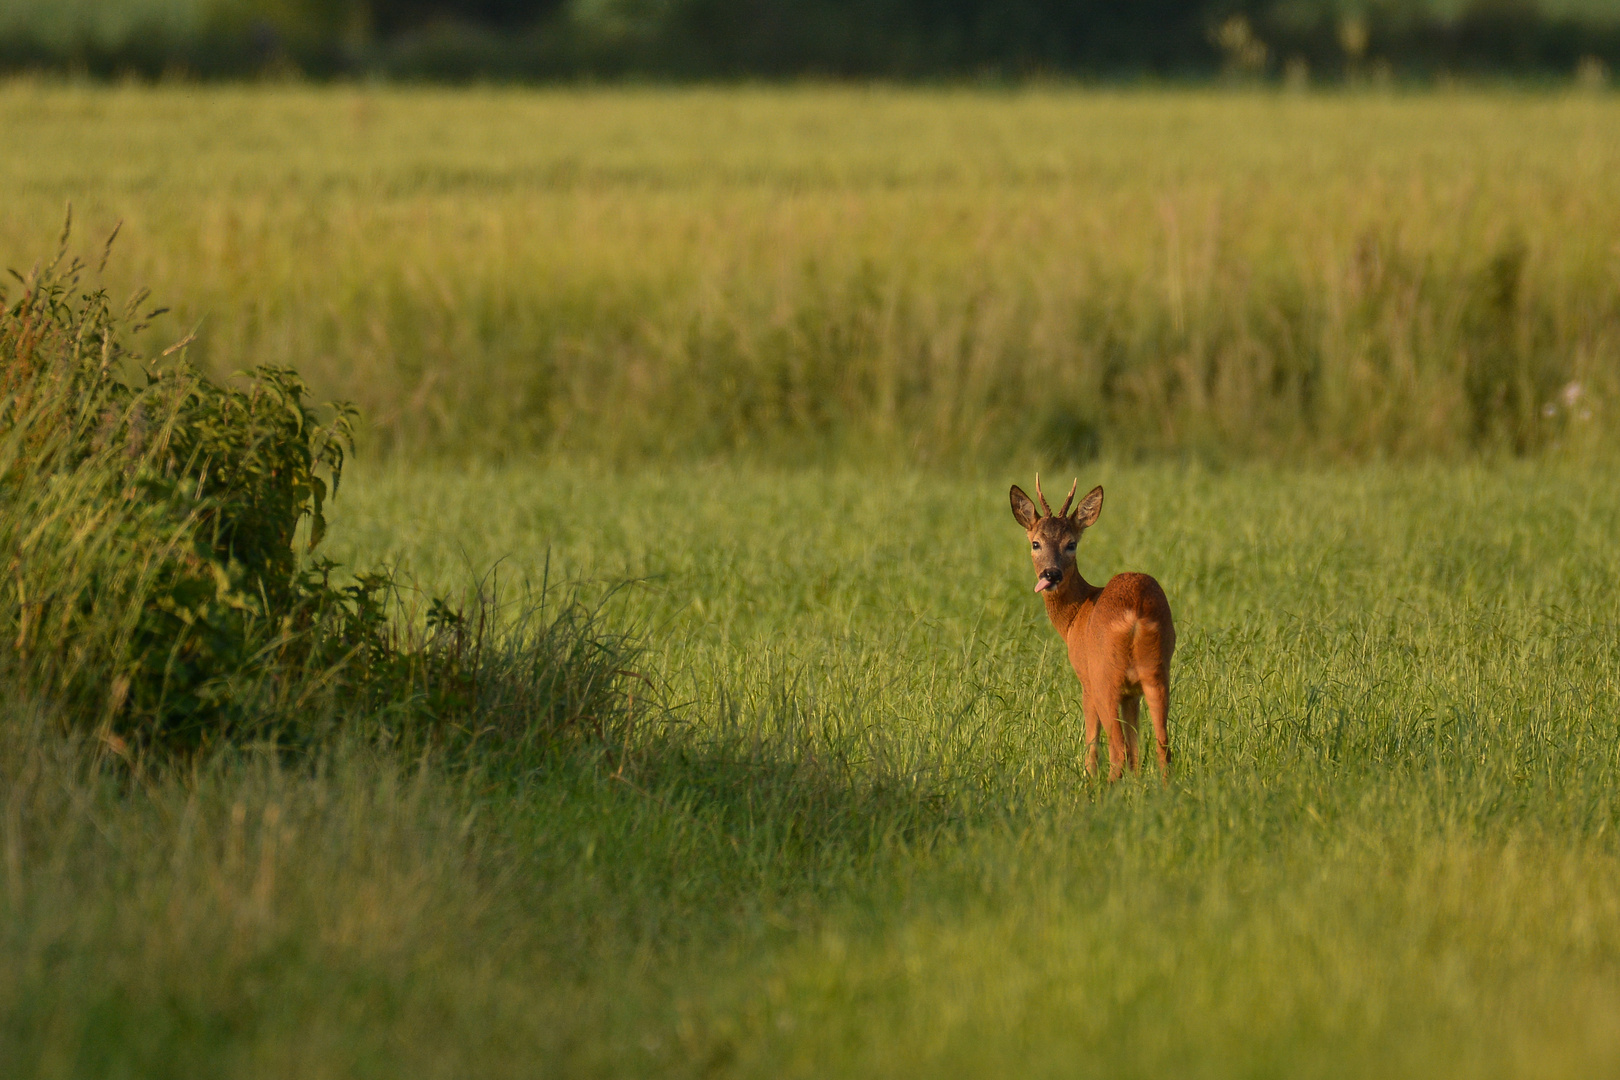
(1053, 538)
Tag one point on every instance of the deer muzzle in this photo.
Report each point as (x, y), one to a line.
(1048, 579)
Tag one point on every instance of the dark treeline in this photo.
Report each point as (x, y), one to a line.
(904, 39)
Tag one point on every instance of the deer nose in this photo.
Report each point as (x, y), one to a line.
(1048, 579)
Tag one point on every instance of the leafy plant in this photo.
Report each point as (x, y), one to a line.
(156, 527)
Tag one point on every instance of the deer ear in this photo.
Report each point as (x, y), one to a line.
(1086, 513)
(1022, 508)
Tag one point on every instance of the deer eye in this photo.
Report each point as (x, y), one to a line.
(1072, 545)
(1036, 545)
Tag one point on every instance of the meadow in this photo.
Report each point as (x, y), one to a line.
(861, 843)
(846, 831)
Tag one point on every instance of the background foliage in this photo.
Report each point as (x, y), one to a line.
(503, 39)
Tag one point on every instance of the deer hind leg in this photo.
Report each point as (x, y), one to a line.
(1093, 725)
(1128, 712)
(1157, 692)
(1108, 713)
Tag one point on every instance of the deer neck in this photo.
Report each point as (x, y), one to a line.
(1070, 603)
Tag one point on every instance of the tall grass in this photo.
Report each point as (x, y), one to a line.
(847, 273)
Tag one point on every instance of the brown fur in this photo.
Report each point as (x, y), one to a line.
(1120, 636)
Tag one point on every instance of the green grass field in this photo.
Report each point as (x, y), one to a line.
(861, 844)
(848, 834)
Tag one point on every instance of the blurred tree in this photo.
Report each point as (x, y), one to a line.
(903, 37)
(390, 17)
(516, 39)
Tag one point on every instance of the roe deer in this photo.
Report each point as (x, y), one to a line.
(1120, 636)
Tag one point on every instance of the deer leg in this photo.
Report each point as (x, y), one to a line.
(1093, 724)
(1129, 710)
(1116, 736)
(1157, 693)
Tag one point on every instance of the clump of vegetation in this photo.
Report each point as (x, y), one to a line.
(157, 528)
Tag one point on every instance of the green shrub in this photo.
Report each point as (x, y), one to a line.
(151, 520)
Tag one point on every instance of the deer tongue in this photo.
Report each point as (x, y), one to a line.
(1043, 584)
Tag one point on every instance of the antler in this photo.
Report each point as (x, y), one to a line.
(1072, 489)
(1047, 510)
